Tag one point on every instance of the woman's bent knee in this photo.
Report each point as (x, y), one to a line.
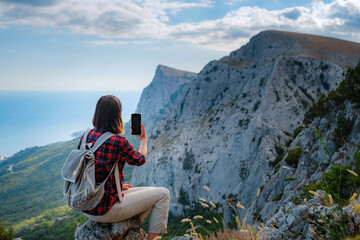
(166, 192)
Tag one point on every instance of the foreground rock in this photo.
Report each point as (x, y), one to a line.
(126, 230)
(314, 219)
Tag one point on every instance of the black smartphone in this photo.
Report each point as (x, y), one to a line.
(135, 123)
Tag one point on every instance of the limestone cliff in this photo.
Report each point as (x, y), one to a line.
(226, 128)
(166, 82)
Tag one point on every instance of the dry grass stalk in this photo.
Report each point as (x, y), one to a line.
(240, 206)
(204, 205)
(352, 172)
(286, 167)
(331, 200)
(312, 230)
(186, 220)
(227, 234)
(314, 193)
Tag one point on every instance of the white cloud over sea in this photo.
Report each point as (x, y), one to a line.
(122, 22)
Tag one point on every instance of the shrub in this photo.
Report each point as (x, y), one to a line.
(183, 197)
(338, 182)
(288, 142)
(275, 162)
(188, 161)
(289, 179)
(348, 89)
(342, 130)
(278, 197)
(280, 154)
(318, 109)
(6, 234)
(296, 201)
(279, 150)
(357, 161)
(293, 157)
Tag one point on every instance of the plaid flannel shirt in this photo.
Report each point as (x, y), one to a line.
(115, 148)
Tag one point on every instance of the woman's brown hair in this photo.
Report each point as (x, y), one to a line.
(108, 115)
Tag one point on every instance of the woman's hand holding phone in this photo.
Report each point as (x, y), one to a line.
(143, 132)
(143, 140)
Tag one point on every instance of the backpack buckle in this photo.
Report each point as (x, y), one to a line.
(88, 145)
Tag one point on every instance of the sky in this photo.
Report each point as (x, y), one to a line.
(117, 44)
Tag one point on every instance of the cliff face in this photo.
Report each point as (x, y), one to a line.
(159, 93)
(226, 128)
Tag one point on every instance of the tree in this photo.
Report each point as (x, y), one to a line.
(6, 234)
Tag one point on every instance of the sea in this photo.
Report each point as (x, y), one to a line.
(37, 118)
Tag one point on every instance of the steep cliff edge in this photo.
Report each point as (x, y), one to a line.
(165, 83)
(230, 128)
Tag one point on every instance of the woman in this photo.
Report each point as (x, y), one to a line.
(135, 201)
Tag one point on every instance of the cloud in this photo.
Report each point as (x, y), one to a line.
(237, 26)
(32, 2)
(122, 21)
(118, 18)
(232, 2)
(115, 42)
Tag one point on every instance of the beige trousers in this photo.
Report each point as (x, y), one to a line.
(140, 201)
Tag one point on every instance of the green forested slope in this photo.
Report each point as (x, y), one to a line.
(57, 224)
(35, 185)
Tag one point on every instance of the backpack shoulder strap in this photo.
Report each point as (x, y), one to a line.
(117, 179)
(83, 142)
(105, 136)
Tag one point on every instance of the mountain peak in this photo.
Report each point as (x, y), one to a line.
(314, 42)
(269, 44)
(165, 83)
(172, 72)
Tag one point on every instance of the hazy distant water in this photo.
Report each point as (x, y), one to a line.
(30, 119)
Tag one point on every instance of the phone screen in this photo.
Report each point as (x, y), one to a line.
(135, 123)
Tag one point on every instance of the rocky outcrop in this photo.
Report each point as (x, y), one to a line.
(230, 128)
(312, 220)
(126, 230)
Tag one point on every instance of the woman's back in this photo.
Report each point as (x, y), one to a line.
(116, 148)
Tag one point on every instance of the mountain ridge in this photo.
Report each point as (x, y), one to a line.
(306, 45)
(232, 117)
